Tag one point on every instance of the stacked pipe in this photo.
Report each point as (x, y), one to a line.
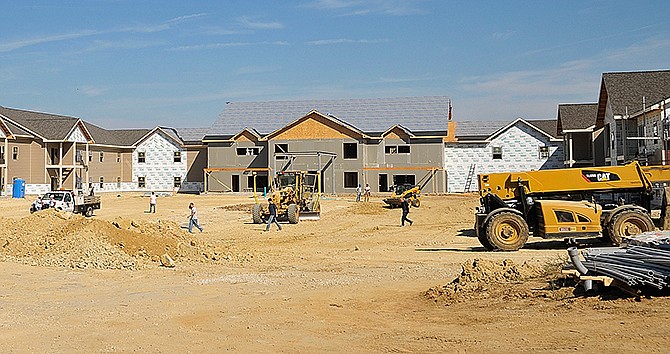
(645, 261)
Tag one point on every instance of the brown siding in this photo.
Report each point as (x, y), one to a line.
(30, 162)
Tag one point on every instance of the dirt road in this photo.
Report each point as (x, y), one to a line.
(354, 281)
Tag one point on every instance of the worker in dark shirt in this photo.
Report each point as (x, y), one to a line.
(272, 208)
(405, 210)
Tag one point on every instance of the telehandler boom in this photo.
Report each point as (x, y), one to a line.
(611, 201)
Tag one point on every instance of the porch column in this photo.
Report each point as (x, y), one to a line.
(60, 166)
(4, 185)
(572, 161)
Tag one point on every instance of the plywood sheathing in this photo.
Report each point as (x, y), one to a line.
(315, 126)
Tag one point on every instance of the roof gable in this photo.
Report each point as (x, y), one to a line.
(528, 123)
(397, 132)
(629, 91)
(315, 126)
(247, 135)
(47, 126)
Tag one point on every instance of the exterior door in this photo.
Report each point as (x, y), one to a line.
(236, 183)
(383, 182)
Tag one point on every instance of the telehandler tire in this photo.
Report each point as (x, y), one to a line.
(507, 232)
(416, 202)
(293, 213)
(628, 223)
(481, 236)
(257, 214)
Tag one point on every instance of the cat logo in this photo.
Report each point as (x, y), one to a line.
(599, 176)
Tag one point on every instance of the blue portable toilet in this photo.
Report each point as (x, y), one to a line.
(19, 190)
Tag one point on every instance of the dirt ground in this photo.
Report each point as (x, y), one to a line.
(355, 281)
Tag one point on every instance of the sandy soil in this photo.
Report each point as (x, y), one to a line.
(355, 281)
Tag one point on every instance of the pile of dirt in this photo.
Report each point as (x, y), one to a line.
(486, 278)
(246, 207)
(366, 208)
(53, 238)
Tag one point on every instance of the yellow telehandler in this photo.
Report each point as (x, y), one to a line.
(609, 201)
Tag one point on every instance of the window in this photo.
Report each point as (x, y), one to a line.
(582, 218)
(564, 216)
(350, 179)
(350, 150)
(79, 156)
(404, 179)
(177, 182)
(248, 151)
(118, 182)
(102, 156)
(2, 152)
(177, 156)
(141, 157)
(281, 148)
(399, 149)
(497, 153)
(141, 182)
(102, 181)
(90, 156)
(15, 153)
(118, 157)
(544, 152)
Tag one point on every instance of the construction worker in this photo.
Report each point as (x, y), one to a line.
(405, 210)
(359, 191)
(367, 192)
(272, 209)
(193, 219)
(152, 203)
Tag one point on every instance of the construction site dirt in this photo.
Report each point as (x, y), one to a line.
(354, 281)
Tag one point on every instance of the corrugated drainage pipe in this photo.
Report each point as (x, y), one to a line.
(573, 252)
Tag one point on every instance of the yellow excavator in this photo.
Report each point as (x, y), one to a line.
(609, 201)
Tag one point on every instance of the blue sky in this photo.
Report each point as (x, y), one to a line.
(142, 63)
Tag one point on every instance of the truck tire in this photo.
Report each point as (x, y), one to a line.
(506, 232)
(89, 211)
(481, 236)
(628, 223)
(257, 214)
(293, 213)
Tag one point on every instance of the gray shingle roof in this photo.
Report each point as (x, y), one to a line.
(117, 137)
(626, 90)
(368, 115)
(192, 134)
(482, 129)
(549, 126)
(478, 129)
(577, 116)
(47, 125)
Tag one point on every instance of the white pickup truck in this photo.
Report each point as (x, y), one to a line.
(68, 201)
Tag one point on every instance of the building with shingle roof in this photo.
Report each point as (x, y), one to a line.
(494, 146)
(380, 141)
(576, 122)
(622, 111)
(75, 154)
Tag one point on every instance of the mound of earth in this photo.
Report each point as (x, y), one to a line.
(504, 279)
(363, 208)
(246, 207)
(60, 239)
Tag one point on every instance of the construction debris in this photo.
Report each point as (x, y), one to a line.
(643, 262)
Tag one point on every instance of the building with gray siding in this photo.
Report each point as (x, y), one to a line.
(381, 142)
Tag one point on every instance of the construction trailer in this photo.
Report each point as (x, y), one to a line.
(610, 201)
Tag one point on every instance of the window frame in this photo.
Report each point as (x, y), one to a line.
(176, 157)
(101, 182)
(244, 151)
(15, 152)
(141, 182)
(141, 157)
(544, 152)
(348, 149)
(345, 179)
(176, 181)
(102, 157)
(496, 152)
